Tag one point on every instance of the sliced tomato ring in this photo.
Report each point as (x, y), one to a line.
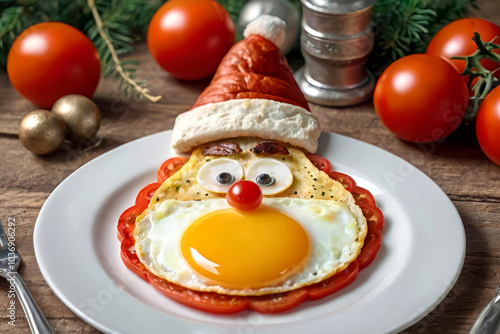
(170, 167)
(144, 197)
(321, 163)
(204, 301)
(343, 179)
(124, 230)
(131, 214)
(131, 260)
(126, 222)
(280, 302)
(373, 215)
(335, 283)
(361, 195)
(370, 248)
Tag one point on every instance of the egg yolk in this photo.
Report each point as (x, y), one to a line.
(240, 249)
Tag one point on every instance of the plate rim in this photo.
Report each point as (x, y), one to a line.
(98, 325)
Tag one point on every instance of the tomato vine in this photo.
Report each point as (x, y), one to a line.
(486, 80)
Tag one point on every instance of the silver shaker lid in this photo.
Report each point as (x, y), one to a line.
(337, 6)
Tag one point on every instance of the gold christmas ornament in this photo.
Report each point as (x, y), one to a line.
(81, 115)
(42, 132)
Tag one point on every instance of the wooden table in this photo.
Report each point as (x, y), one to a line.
(457, 165)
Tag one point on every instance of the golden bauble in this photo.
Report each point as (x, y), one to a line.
(81, 115)
(42, 132)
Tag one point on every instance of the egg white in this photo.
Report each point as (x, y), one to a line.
(336, 235)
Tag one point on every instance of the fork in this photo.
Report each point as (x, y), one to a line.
(9, 262)
(488, 321)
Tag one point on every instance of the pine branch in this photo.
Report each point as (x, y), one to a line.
(233, 7)
(404, 27)
(9, 29)
(123, 40)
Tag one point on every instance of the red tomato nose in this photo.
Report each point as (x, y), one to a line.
(244, 195)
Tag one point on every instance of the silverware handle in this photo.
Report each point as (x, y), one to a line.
(488, 321)
(35, 317)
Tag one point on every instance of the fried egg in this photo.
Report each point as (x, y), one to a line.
(282, 245)
(307, 228)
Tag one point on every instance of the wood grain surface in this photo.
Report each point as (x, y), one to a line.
(457, 165)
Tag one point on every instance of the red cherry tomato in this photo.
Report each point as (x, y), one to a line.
(488, 125)
(170, 167)
(373, 215)
(361, 195)
(144, 197)
(343, 179)
(455, 39)
(50, 60)
(244, 195)
(321, 163)
(421, 98)
(189, 38)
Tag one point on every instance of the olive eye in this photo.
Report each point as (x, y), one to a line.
(265, 180)
(225, 178)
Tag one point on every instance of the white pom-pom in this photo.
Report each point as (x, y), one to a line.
(270, 27)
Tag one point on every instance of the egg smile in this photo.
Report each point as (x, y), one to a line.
(284, 244)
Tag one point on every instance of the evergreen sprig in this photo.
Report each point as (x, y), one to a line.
(233, 7)
(403, 27)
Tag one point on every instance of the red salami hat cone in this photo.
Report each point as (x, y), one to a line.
(253, 94)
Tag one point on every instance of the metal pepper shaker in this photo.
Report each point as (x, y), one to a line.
(336, 41)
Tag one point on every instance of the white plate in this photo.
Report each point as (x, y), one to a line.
(78, 252)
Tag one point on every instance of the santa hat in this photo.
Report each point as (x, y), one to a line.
(253, 94)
